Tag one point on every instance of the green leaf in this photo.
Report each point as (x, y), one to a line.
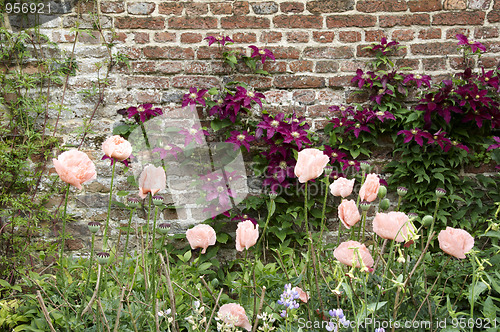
(217, 124)
(260, 71)
(475, 291)
(122, 193)
(187, 256)
(213, 91)
(271, 207)
(222, 237)
(121, 129)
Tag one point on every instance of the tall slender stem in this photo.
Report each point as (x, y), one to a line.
(105, 236)
(125, 250)
(153, 270)
(64, 227)
(88, 273)
(323, 220)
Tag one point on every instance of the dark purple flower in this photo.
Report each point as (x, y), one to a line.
(125, 162)
(471, 95)
(270, 124)
(381, 115)
(194, 133)
(334, 154)
(418, 79)
(222, 40)
(215, 209)
(490, 79)
(384, 46)
(141, 113)
(479, 115)
(474, 46)
(440, 139)
(417, 134)
(240, 139)
(262, 53)
(381, 93)
(244, 217)
(351, 163)
(363, 78)
(194, 96)
(460, 146)
(169, 149)
(494, 146)
(294, 132)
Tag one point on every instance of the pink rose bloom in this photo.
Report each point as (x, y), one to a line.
(246, 235)
(234, 315)
(75, 167)
(342, 187)
(369, 189)
(201, 236)
(117, 147)
(349, 213)
(152, 180)
(303, 296)
(346, 255)
(310, 164)
(393, 226)
(455, 242)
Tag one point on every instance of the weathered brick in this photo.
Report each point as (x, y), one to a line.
(301, 66)
(143, 66)
(132, 53)
(270, 37)
(318, 111)
(265, 8)
(298, 21)
(434, 64)
(342, 52)
(497, 4)
(256, 82)
(340, 81)
(168, 52)
(489, 62)
(141, 37)
(349, 36)
(494, 16)
(362, 51)
(164, 37)
(375, 35)
(171, 8)
(94, 38)
(112, 7)
(389, 21)
(291, 7)
(276, 96)
(63, 37)
(241, 8)
(191, 37)
(352, 65)
(140, 8)
(197, 67)
(434, 48)
(146, 82)
(275, 67)
(201, 82)
(244, 37)
(192, 23)
(297, 37)
(452, 33)
(329, 6)
(461, 18)
(206, 53)
(305, 97)
(323, 36)
(298, 82)
(151, 97)
(244, 22)
(486, 32)
(330, 97)
(455, 4)
(430, 33)
(169, 67)
(403, 35)
(327, 66)
(372, 6)
(285, 52)
(458, 63)
(479, 4)
(492, 46)
(196, 9)
(151, 23)
(355, 20)
(424, 5)
(221, 8)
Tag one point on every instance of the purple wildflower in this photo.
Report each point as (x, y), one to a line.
(222, 40)
(243, 217)
(384, 46)
(270, 124)
(417, 134)
(364, 78)
(194, 133)
(440, 139)
(494, 146)
(240, 139)
(418, 79)
(125, 162)
(474, 46)
(168, 149)
(194, 96)
(142, 112)
(288, 299)
(263, 53)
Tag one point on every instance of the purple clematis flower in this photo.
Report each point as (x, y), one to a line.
(384, 46)
(125, 162)
(141, 113)
(169, 149)
(194, 133)
(474, 46)
(418, 79)
(494, 146)
(364, 78)
(194, 96)
(240, 139)
(222, 40)
(263, 53)
(270, 124)
(417, 134)
(381, 93)
(440, 139)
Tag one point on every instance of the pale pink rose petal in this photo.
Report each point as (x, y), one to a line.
(152, 180)
(310, 164)
(235, 313)
(348, 213)
(117, 147)
(246, 235)
(75, 167)
(342, 187)
(455, 242)
(369, 189)
(201, 236)
(345, 254)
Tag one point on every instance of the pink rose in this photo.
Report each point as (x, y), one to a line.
(345, 254)
(342, 187)
(75, 167)
(152, 180)
(246, 235)
(349, 213)
(201, 236)
(393, 226)
(310, 164)
(117, 147)
(455, 242)
(303, 296)
(234, 315)
(369, 189)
